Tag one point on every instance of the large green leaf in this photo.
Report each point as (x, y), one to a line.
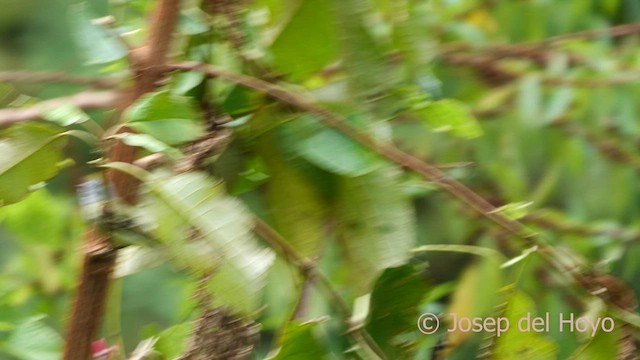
(375, 223)
(335, 152)
(31, 153)
(297, 207)
(205, 230)
(523, 345)
(394, 307)
(308, 41)
(299, 342)
(97, 45)
(172, 119)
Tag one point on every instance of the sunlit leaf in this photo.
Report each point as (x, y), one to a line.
(603, 346)
(476, 294)
(525, 345)
(515, 210)
(31, 154)
(172, 342)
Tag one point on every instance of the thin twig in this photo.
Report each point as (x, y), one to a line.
(57, 77)
(613, 31)
(310, 273)
(614, 80)
(562, 224)
(85, 100)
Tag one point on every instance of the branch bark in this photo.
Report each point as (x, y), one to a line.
(148, 66)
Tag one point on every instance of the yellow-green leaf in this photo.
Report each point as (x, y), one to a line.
(31, 154)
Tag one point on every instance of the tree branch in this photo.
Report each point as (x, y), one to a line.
(85, 100)
(580, 275)
(56, 77)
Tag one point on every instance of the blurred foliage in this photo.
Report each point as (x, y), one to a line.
(495, 93)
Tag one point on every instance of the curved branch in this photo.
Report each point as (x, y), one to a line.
(56, 77)
(589, 280)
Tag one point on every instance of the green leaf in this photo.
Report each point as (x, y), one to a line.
(149, 143)
(476, 294)
(299, 343)
(603, 346)
(523, 345)
(394, 307)
(309, 40)
(203, 229)
(31, 154)
(241, 100)
(375, 223)
(65, 115)
(55, 219)
(185, 81)
(193, 21)
(97, 45)
(33, 340)
(172, 119)
(172, 342)
(561, 101)
(368, 69)
(336, 152)
(451, 115)
(297, 207)
(516, 210)
(529, 100)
